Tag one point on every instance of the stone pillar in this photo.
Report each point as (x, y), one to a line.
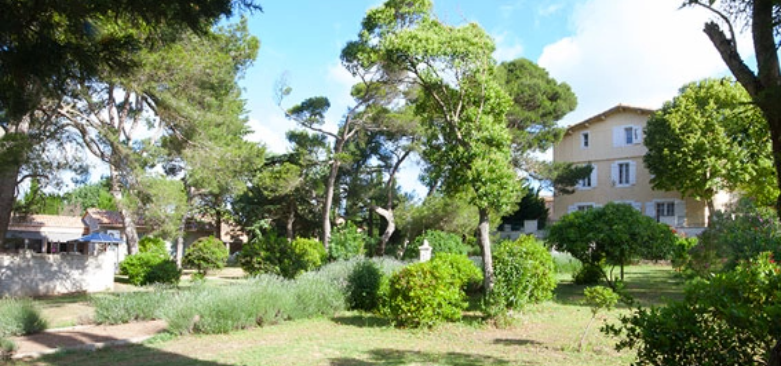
(425, 251)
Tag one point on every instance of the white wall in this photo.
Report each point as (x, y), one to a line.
(31, 274)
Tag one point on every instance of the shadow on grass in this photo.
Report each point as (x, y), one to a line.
(388, 357)
(649, 285)
(126, 355)
(362, 320)
(516, 342)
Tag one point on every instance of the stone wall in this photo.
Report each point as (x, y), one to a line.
(30, 274)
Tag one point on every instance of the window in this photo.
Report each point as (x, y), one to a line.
(629, 134)
(623, 174)
(586, 182)
(590, 181)
(665, 209)
(584, 139)
(584, 207)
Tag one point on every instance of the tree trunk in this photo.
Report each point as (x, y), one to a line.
(180, 242)
(291, 219)
(775, 355)
(388, 216)
(485, 247)
(131, 235)
(329, 199)
(12, 160)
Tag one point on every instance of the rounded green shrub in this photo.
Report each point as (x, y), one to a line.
(152, 244)
(363, 286)
(681, 256)
(440, 242)
(424, 295)
(150, 267)
(524, 273)
(588, 274)
(206, 254)
(346, 242)
(20, 317)
(273, 254)
(467, 273)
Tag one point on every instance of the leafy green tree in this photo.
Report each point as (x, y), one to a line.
(467, 143)
(707, 139)
(615, 233)
(763, 83)
(48, 46)
(206, 254)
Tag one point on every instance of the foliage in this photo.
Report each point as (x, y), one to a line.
(681, 256)
(525, 273)
(451, 214)
(346, 242)
(263, 300)
(709, 138)
(588, 274)
(615, 233)
(363, 286)
(728, 319)
(339, 272)
(151, 244)
(466, 272)
(163, 203)
(740, 233)
(206, 254)
(565, 263)
(597, 298)
(531, 207)
(273, 254)
(7, 348)
(20, 317)
(440, 242)
(150, 267)
(426, 294)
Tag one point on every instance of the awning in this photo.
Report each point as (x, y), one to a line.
(100, 238)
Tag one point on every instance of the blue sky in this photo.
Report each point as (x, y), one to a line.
(636, 52)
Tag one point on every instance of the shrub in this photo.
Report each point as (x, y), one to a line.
(339, 272)
(524, 273)
(346, 242)
(20, 317)
(681, 256)
(206, 254)
(589, 274)
(7, 348)
(152, 244)
(304, 255)
(150, 267)
(440, 242)
(729, 319)
(742, 232)
(129, 306)
(424, 294)
(363, 286)
(566, 263)
(467, 273)
(597, 298)
(273, 254)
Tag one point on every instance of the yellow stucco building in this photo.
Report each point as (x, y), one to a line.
(612, 142)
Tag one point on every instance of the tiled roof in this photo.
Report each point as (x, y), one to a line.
(607, 113)
(46, 221)
(105, 217)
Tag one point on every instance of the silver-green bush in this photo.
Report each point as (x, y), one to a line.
(20, 317)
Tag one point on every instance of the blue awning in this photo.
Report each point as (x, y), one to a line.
(100, 238)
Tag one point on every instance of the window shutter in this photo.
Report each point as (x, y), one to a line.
(594, 175)
(632, 173)
(650, 209)
(618, 137)
(637, 206)
(680, 212)
(614, 173)
(572, 208)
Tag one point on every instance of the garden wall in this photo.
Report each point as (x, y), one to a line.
(30, 274)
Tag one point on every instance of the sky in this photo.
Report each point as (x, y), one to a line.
(635, 52)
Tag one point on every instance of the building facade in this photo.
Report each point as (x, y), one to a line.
(612, 142)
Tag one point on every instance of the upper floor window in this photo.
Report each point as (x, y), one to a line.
(623, 173)
(590, 181)
(585, 207)
(584, 139)
(627, 135)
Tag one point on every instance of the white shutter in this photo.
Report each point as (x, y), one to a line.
(572, 208)
(618, 139)
(638, 132)
(680, 212)
(650, 209)
(632, 173)
(614, 173)
(637, 206)
(594, 175)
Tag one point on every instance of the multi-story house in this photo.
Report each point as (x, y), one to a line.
(612, 142)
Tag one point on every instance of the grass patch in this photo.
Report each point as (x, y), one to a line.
(648, 284)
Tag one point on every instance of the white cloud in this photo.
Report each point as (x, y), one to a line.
(631, 52)
(271, 132)
(549, 9)
(508, 47)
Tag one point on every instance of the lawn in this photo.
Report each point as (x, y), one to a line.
(546, 334)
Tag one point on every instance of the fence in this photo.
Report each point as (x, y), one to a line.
(30, 274)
